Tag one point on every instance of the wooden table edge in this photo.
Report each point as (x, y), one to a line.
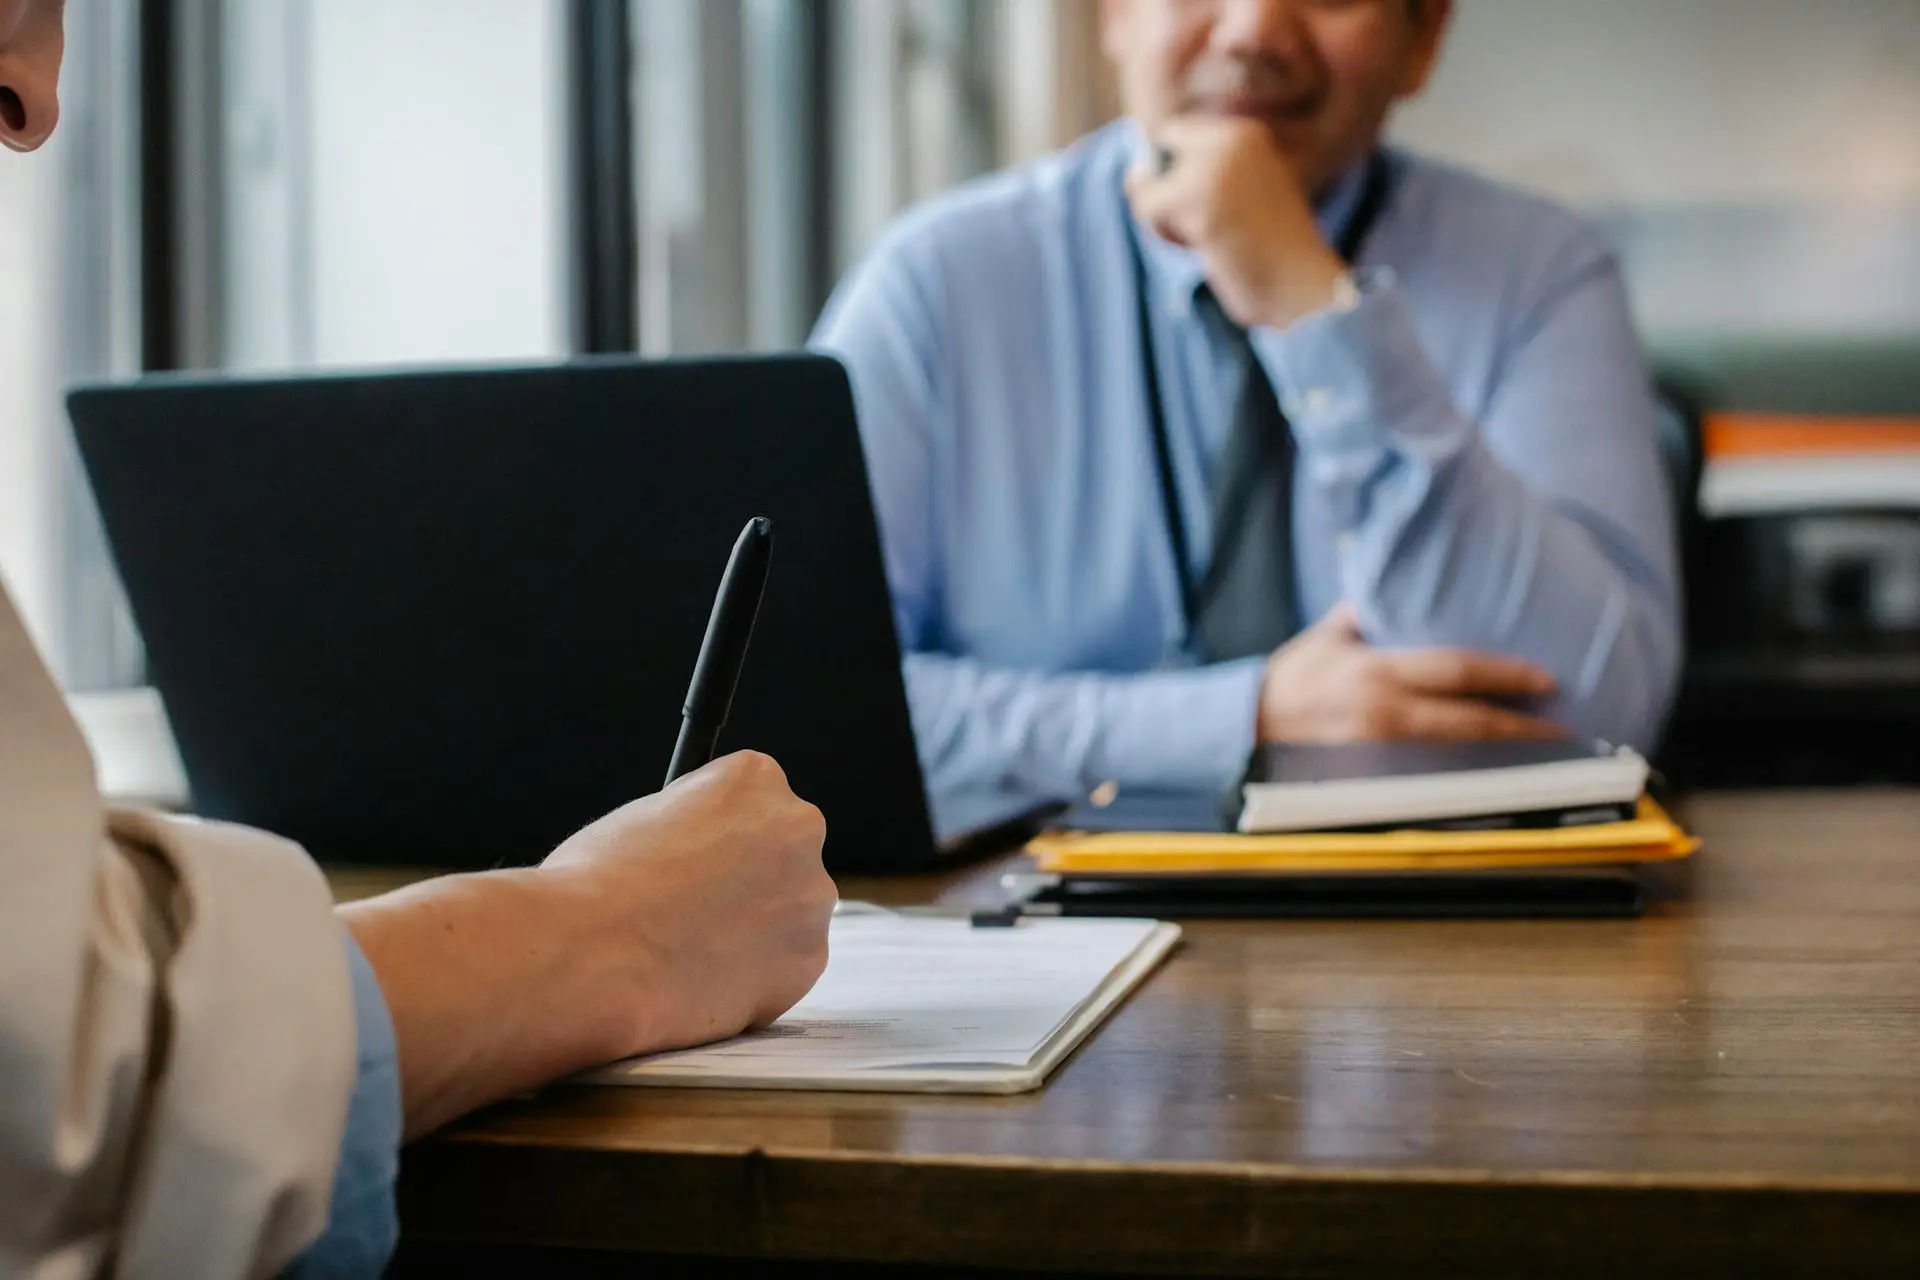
(1229, 1170)
(1158, 1218)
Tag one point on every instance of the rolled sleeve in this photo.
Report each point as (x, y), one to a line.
(363, 1225)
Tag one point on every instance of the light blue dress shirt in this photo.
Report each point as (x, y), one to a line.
(363, 1225)
(1477, 466)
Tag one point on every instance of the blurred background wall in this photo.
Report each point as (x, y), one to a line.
(1756, 161)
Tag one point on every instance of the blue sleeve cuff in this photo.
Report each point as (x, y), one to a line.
(1350, 378)
(363, 1225)
(1188, 730)
(1361, 394)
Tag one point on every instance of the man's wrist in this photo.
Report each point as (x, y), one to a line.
(1267, 726)
(1311, 284)
(499, 981)
(611, 966)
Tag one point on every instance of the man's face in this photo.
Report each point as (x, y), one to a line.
(1320, 74)
(32, 38)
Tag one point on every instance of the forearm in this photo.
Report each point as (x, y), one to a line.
(1462, 554)
(496, 983)
(1061, 734)
(1556, 547)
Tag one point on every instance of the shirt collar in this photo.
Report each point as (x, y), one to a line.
(1179, 272)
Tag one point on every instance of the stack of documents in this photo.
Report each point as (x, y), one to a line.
(931, 1005)
(1650, 836)
(1523, 829)
(1476, 784)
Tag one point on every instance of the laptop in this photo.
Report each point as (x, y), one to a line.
(448, 617)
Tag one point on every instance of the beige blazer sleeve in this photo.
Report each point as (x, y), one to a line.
(176, 1022)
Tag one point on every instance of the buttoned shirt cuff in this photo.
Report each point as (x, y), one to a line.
(1189, 730)
(1356, 381)
(363, 1225)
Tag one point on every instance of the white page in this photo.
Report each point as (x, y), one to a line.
(1281, 807)
(918, 992)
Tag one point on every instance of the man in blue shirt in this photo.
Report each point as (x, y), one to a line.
(1230, 425)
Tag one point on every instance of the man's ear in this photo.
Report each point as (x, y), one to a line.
(1431, 21)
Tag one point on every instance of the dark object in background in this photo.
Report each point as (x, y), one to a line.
(1803, 655)
(447, 617)
(1592, 893)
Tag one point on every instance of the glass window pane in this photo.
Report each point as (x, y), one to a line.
(396, 181)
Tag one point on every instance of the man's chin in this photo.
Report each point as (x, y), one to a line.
(1295, 135)
(1299, 142)
(1292, 133)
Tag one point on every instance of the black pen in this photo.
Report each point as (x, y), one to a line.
(716, 673)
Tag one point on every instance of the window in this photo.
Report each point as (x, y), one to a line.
(776, 137)
(29, 385)
(278, 184)
(391, 182)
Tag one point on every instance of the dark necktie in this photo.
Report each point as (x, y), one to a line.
(1244, 605)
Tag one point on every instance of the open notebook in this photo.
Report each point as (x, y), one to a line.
(930, 1005)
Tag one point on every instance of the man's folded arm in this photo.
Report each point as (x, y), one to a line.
(1543, 532)
(1065, 733)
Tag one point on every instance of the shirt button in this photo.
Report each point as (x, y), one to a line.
(1318, 400)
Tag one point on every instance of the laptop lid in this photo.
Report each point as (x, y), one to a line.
(450, 617)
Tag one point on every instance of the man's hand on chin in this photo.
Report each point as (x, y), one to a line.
(1230, 194)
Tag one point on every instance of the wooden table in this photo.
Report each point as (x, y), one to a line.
(1730, 1086)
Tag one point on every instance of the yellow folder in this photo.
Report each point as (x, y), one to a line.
(1650, 836)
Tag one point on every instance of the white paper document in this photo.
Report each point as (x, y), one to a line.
(934, 1004)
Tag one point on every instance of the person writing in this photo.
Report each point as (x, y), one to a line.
(1230, 424)
(206, 1070)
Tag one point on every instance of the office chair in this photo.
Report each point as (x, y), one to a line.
(1682, 443)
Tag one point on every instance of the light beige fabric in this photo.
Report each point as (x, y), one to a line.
(176, 1022)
